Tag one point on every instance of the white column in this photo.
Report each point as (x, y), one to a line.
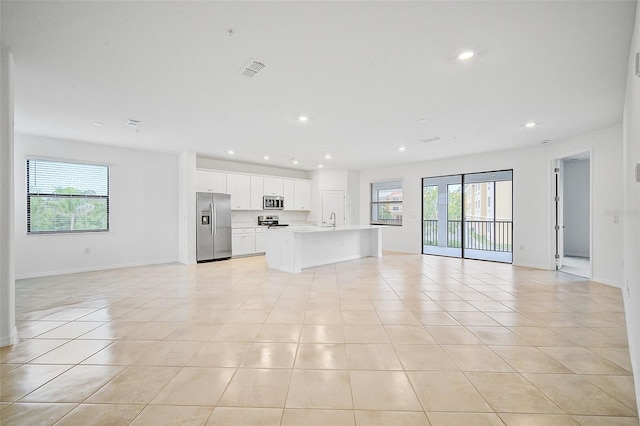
(8, 332)
(187, 207)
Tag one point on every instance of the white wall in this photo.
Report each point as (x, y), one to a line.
(606, 195)
(8, 332)
(532, 196)
(630, 213)
(143, 211)
(576, 193)
(336, 180)
(187, 207)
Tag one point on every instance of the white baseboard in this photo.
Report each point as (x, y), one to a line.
(9, 340)
(606, 281)
(93, 268)
(532, 266)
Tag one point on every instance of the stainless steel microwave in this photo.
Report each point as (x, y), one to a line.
(272, 202)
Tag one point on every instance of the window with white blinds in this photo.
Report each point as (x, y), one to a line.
(65, 197)
(386, 203)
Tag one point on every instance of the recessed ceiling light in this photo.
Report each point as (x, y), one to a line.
(320, 166)
(402, 148)
(266, 157)
(295, 161)
(97, 123)
(466, 55)
(230, 152)
(422, 120)
(303, 118)
(530, 124)
(328, 156)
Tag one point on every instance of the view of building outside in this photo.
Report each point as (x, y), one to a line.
(386, 203)
(487, 215)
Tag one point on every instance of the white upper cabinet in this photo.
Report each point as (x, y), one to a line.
(239, 187)
(302, 199)
(257, 191)
(273, 186)
(247, 190)
(289, 194)
(209, 181)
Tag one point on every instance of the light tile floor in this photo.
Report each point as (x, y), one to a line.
(400, 340)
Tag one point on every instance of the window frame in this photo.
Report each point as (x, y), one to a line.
(391, 203)
(30, 195)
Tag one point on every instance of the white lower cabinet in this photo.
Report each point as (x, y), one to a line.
(243, 241)
(261, 240)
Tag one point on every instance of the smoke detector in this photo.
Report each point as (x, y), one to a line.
(251, 68)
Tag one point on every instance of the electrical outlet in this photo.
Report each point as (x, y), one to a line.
(628, 289)
(87, 251)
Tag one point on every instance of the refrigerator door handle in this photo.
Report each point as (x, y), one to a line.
(214, 228)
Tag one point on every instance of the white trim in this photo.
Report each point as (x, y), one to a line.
(552, 160)
(95, 268)
(530, 265)
(11, 339)
(606, 281)
(65, 160)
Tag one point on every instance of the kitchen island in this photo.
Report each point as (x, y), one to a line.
(294, 248)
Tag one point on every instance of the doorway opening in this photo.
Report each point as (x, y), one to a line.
(469, 216)
(572, 214)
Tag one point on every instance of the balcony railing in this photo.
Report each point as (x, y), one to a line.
(454, 233)
(494, 235)
(430, 232)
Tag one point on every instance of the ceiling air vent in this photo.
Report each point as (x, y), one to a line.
(251, 68)
(133, 123)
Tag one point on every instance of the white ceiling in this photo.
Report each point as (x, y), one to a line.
(365, 73)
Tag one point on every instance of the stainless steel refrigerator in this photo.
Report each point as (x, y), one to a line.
(213, 236)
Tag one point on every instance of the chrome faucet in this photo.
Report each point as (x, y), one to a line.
(333, 215)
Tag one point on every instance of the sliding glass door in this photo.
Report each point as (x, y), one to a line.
(469, 216)
(442, 216)
(488, 217)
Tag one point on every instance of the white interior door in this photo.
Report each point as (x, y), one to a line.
(333, 202)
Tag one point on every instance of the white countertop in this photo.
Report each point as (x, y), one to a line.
(312, 228)
(255, 225)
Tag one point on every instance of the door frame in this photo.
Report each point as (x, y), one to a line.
(554, 162)
(463, 183)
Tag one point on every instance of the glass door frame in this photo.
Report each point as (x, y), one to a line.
(442, 222)
(491, 255)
